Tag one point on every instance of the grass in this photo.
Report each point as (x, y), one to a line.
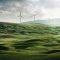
(31, 44)
(34, 43)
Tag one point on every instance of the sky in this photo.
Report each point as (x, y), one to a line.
(41, 9)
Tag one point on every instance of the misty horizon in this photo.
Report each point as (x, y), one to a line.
(41, 9)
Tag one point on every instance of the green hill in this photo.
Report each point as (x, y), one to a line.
(28, 28)
(24, 28)
(29, 39)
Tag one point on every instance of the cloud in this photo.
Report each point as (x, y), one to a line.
(50, 3)
(10, 6)
(42, 9)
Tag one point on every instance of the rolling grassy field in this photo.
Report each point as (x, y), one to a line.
(31, 41)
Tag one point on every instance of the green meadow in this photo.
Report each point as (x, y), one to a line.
(29, 41)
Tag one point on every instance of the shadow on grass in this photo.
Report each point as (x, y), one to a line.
(6, 36)
(3, 49)
(26, 44)
(27, 57)
(52, 51)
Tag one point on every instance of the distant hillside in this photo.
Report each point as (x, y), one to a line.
(50, 22)
(23, 28)
(29, 38)
(29, 28)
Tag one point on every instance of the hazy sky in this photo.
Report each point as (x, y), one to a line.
(43, 9)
